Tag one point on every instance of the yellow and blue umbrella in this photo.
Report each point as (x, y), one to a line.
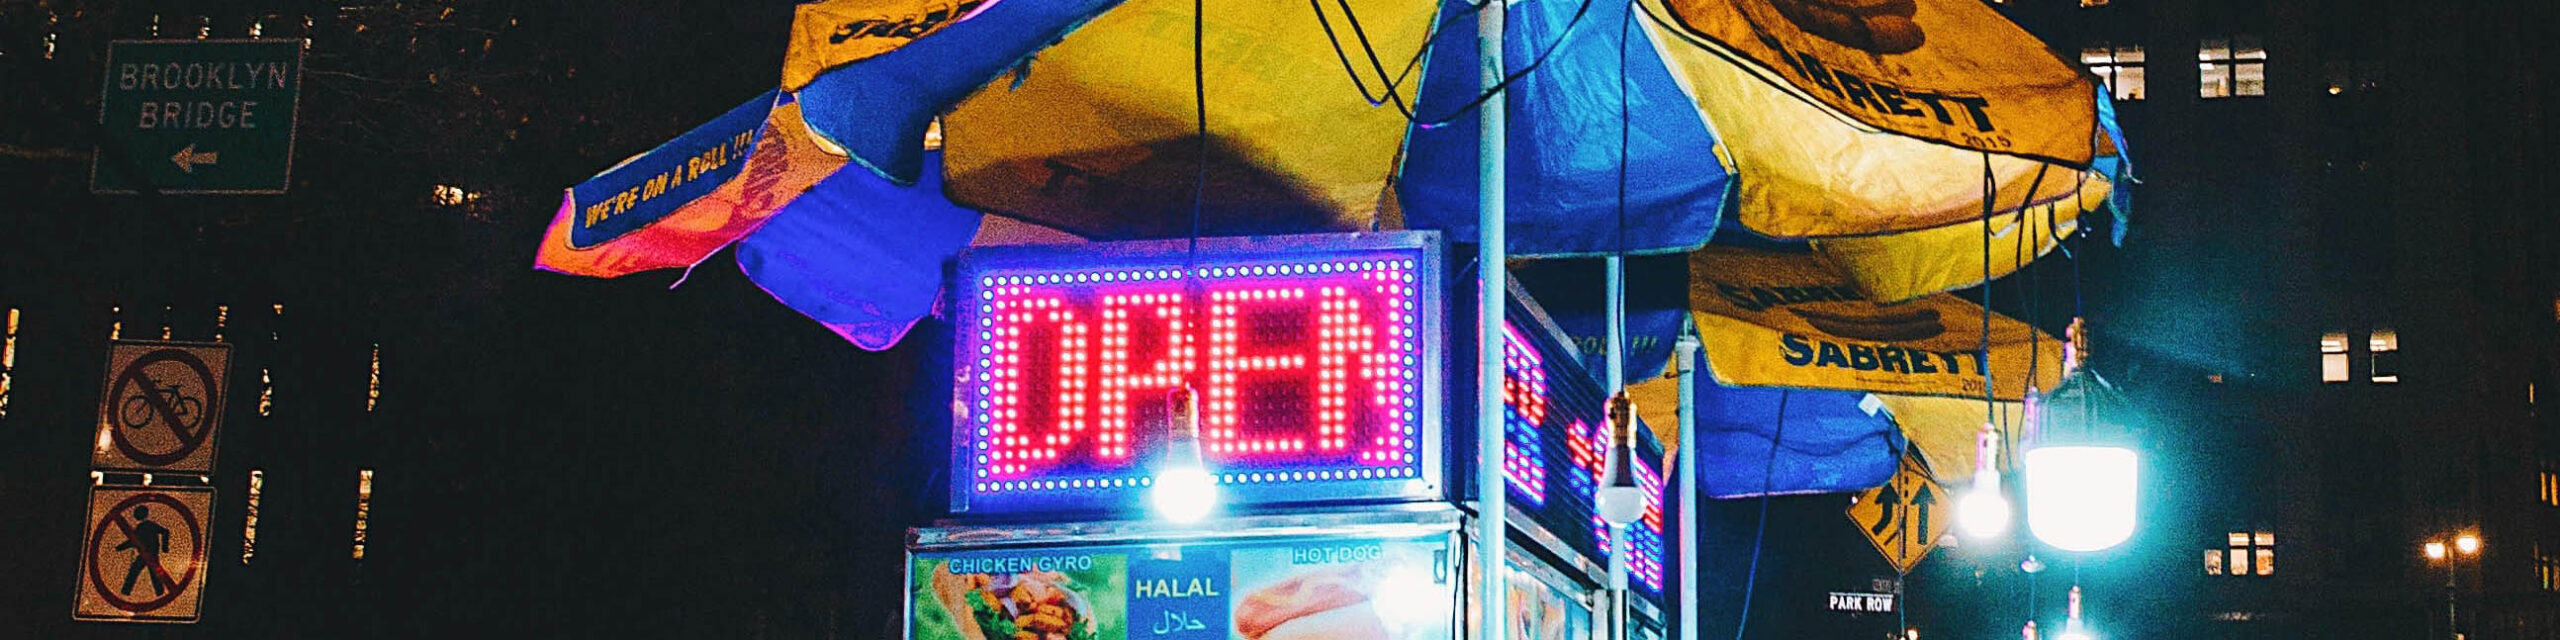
(1880, 129)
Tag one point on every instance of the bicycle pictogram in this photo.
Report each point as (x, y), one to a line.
(167, 406)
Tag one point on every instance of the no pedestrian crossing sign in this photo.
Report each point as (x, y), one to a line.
(143, 559)
(198, 116)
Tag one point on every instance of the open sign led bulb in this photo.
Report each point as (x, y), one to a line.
(1621, 500)
(1985, 512)
(1183, 491)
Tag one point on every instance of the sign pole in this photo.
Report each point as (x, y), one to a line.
(1686, 353)
(1492, 503)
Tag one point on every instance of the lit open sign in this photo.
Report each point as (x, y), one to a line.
(1309, 368)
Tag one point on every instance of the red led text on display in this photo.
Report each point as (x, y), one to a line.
(1307, 371)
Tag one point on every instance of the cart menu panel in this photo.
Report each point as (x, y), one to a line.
(1316, 360)
(1382, 588)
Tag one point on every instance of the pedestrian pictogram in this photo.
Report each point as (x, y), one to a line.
(162, 406)
(144, 560)
(1903, 517)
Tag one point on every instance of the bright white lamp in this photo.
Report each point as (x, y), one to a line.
(1984, 513)
(1183, 491)
(1621, 501)
(2082, 482)
(2072, 628)
(2081, 498)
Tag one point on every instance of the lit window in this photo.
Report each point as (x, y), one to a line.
(373, 381)
(249, 527)
(446, 195)
(2266, 550)
(2230, 67)
(8, 354)
(266, 377)
(2244, 554)
(2386, 356)
(2333, 357)
(2546, 567)
(2119, 66)
(364, 508)
(2550, 483)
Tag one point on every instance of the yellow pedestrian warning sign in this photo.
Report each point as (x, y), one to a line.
(1904, 517)
(144, 557)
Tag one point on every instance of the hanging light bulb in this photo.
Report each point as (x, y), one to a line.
(2072, 629)
(1621, 500)
(1985, 512)
(1183, 491)
(2081, 478)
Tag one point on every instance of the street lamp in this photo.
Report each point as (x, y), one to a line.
(2466, 545)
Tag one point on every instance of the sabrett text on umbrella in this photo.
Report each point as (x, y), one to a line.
(1762, 298)
(1811, 352)
(1881, 97)
(910, 27)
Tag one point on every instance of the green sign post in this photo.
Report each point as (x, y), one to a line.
(198, 116)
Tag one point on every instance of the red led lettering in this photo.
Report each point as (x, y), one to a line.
(1126, 387)
(1307, 372)
(1037, 396)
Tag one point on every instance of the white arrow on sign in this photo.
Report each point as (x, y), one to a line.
(189, 157)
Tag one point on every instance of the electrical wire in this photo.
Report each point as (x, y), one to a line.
(1768, 480)
(1389, 94)
(1982, 358)
(1200, 115)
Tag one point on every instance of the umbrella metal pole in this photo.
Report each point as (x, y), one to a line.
(1687, 355)
(1492, 504)
(1614, 312)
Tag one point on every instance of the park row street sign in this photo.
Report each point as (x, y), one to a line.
(197, 116)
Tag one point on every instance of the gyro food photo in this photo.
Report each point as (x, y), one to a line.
(1074, 598)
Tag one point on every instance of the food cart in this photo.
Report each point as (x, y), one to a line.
(1323, 385)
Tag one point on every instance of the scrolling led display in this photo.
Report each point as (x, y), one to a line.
(1527, 402)
(1309, 364)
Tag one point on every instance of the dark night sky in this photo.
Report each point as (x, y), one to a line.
(567, 457)
(555, 457)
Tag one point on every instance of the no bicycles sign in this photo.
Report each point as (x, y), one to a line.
(162, 406)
